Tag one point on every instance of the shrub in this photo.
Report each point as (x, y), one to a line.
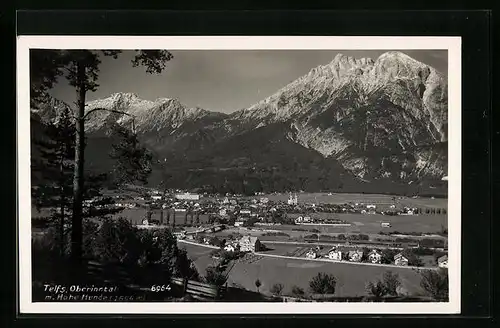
(215, 276)
(377, 290)
(298, 292)
(413, 259)
(117, 242)
(323, 283)
(363, 237)
(258, 284)
(388, 255)
(391, 283)
(435, 283)
(277, 289)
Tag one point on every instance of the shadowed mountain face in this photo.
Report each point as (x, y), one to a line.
(351, 125)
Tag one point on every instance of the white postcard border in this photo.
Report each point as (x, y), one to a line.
(452, 44)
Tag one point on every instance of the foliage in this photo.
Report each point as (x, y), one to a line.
(435, 283)
(250, 222)
(388, 255)
(215, 276)
(277, 289)
(391, 282)
(364, 257)
(81, 70)
(413, 259)
(215, 241)
(298, 292)
(117, 241)
(132, 161)
(323, 283)
(258, 284)
(377, 289)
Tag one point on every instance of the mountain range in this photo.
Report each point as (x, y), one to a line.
(354, 125)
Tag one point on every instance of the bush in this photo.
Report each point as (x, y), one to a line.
(391, 283)
(388, 255)
(323, 283)
(377, 290)
(117, 242)
(298, 292)
(363, 237)
(215, 276)
(435, 283)
(423, 251)
(413, 259)
(277, 289)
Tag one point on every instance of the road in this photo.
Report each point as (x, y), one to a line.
(319, 260)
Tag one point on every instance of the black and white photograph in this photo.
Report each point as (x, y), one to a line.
(260, 174)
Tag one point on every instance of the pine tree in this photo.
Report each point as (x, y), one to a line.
(81, 70)
(133, 161)
(56, 169)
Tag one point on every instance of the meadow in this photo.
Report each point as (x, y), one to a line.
(337, 198)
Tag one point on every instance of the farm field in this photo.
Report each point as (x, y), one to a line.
(360, 198)
(351, 279)
(370, 223)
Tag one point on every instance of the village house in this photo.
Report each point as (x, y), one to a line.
(400, 259)
(335, 254)
(312, 254)
(443, 261)
(156, 197)
(355, 256)
(375, 257)
(231, 247)
(250, 244)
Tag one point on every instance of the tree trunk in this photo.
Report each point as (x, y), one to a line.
(61, 222)
(76, 222)
(161, 216)
(62, 204)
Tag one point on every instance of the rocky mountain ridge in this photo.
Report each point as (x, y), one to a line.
(374, 120)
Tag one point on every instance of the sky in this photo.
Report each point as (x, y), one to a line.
(222, 80)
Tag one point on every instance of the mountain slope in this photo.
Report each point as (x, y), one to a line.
(357, 124)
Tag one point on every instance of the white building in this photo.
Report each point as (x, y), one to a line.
(375, 257)
(156, 197)
(443, 261)
(400, 259)
(335, 254)
(230, 248)
(355, 256)
(187, 196)
(292, 200)
(312, 254)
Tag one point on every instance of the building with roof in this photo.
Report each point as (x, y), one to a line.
(400, 259)
(335, 254)
(250, 244)
(375, 257)
(443, 261)
(355, 256)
